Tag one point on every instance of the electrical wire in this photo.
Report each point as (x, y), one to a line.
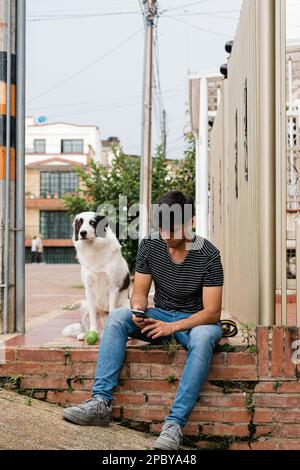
(205, 13)
(186, 5)
(158, 98)
(203, 30)
(104, 3)
(141, 8)
(155, 106)
(108, 108)
(80, 16)
(179, 88)
(99, 59)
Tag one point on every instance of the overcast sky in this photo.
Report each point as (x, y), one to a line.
(88, 69)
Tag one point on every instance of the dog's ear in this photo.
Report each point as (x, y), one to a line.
(76, 227)
(101, 226)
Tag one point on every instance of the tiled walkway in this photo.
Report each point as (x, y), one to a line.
(51, 287)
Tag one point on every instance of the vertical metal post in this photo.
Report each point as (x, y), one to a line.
(281, 157)
(202, 163)
(218, 97)
(20, 166)
(267, 222)
(146, 154)
(7, 168)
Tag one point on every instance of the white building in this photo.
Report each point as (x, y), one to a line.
(71, 141)
(53, 151)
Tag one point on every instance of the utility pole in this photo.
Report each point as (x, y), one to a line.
(146, 154)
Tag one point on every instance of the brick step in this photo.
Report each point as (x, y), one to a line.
(249, 400)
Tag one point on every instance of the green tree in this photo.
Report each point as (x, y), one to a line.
(161, 178)
(185, 173)
(103, 185)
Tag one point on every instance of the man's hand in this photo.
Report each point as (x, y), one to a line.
(139, 322)
(156, 328)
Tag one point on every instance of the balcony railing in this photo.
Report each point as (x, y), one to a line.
(50, 231)
(47, 194)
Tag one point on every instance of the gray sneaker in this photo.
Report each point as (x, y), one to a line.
(170, 437)
(92, 412)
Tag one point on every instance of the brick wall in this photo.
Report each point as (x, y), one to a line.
(250, 401)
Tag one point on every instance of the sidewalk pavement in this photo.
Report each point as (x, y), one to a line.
(49, 288)
(32, 424)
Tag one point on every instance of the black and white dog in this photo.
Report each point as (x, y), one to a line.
(104, 272)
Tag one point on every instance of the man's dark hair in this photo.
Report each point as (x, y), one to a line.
(184, 209)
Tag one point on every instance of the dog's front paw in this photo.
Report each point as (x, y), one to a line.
(80, 337)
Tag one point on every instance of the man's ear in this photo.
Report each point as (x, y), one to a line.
(188, 227)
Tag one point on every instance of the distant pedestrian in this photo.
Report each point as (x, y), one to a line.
(39, 249)
(34, 249)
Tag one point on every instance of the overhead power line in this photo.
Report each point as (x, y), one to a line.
(79, 16)
(186, 5)
(141, 8)
(205, 13)
(105, 100)
(103, 4)
(204, 30)
(108, 108)
(99, 59)
(39, 18)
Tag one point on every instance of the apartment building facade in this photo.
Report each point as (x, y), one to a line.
(52, 152)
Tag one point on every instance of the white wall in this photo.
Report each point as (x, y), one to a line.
(54, 133)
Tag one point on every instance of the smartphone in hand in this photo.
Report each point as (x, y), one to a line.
(140, 313)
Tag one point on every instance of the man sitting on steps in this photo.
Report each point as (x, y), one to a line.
(188, 277)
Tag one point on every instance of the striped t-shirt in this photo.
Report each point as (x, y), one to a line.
(178, 286)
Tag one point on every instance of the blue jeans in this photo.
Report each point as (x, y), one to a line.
(199, 341)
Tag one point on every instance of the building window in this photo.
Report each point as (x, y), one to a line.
(55, 225)
(72, 146)
(55, 184)
(39, 145)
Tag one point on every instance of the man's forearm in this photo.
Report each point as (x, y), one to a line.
(203, 317)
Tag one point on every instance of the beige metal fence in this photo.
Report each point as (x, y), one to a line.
(248, 167)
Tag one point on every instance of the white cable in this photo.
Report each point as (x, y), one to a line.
(122, 43)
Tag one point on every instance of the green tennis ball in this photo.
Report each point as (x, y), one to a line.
(91, 337)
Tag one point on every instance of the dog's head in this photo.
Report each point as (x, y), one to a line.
(89, 225)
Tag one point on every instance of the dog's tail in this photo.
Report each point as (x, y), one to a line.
(73, 330)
